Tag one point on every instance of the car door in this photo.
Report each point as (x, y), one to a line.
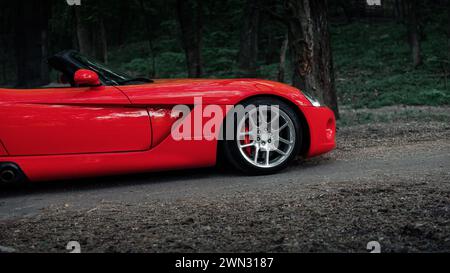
(59, 121)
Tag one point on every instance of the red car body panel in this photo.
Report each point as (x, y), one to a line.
(71, 121)
(322, 130)
(67, 133)
(169, 155)
(162, 120)
(3, 150)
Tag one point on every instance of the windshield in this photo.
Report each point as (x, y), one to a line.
(107, 75)
(69, 61)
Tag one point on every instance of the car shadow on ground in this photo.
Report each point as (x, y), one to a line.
(130, 180)
(87, 184)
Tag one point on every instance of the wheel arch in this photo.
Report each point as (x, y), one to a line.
(306, 136)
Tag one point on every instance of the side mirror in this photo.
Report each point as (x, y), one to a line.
(85, 77)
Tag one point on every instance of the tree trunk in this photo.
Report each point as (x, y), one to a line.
(100, 42)
(190, 17)
(83, 33)
(362, 8)
(414, 35)
(346, 6)
(248, 53)
(91, 33)
(122, 32)
(30, 42)
(399, 11)
(283, 51)
(149, 33)
(310, 47)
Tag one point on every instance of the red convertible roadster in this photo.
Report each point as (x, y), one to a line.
(106, 123)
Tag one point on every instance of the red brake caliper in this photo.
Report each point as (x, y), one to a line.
(247, 140)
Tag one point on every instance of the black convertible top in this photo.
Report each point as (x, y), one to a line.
(66, 64)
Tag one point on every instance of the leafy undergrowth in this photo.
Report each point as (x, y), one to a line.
(374, 67)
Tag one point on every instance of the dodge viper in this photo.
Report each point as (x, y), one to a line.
(99, 122)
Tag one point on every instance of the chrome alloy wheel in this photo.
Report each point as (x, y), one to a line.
(266, 136)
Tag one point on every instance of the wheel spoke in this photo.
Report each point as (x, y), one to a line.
(282, 127)
(274, 124)
(280, 152)
(285, 141)
(267, 158)
(262, 121)
(256, 155)
(252, 123)
(248, 145)
(275, 116)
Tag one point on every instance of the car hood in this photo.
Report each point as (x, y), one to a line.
(217, 91)
(219, 84)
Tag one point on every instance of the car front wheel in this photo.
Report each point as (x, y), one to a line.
(267, 137)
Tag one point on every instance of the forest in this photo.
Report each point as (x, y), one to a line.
(116, 170)
(356, 53)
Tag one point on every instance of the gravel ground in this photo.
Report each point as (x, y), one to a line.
(388, 181)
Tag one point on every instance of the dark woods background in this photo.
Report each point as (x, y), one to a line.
(340, 50)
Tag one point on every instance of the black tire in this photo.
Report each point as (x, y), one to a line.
(10, 174)
(233, 155)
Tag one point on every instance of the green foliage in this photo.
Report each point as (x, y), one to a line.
(372, 61)
(171, 65)
(220, 62)
(269, 71)
(134, 59)
(374, 67)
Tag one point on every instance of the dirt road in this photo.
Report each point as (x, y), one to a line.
(387, 181)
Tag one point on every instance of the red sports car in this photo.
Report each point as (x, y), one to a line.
(106, 123)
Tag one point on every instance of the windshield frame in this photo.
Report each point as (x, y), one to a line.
(70, 61)
(107, 75)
